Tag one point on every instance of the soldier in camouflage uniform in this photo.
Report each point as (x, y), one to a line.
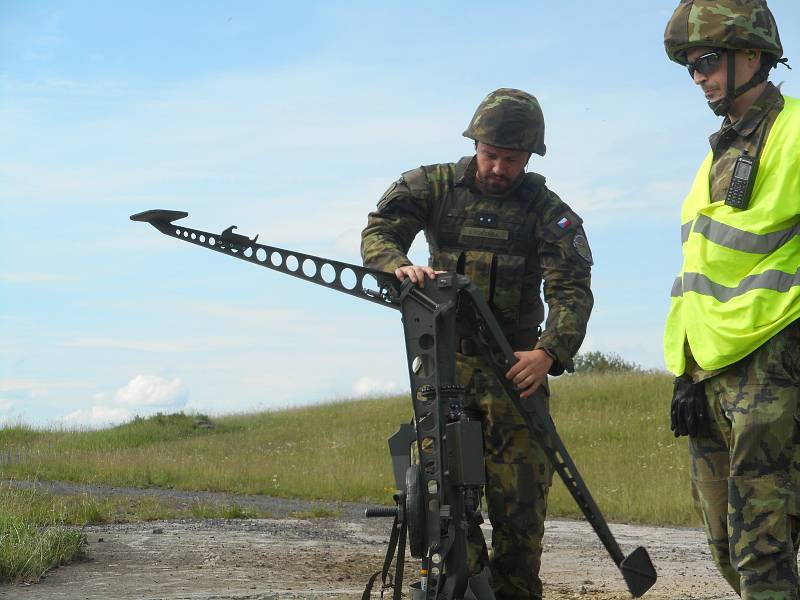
(483, 216)
(740, 412)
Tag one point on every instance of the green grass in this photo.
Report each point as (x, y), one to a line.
(334, 451)
(210, 510)
(615, 427)
(318, 512)
(35, 534)
(41, 530)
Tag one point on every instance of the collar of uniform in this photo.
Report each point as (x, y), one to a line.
(465, 177)
(752, 117)
(465, 171)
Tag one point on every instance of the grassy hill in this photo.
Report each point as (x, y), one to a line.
(615, 426)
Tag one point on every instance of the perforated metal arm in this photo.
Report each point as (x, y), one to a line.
(368, 284)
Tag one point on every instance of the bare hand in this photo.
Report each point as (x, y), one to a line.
(415, 273)
(530, 372)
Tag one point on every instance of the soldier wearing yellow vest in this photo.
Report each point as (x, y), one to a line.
(732, 334)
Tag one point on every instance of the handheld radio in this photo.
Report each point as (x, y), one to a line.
(744, 176)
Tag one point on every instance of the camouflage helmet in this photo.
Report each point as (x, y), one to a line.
(509, 118)
(729, 24)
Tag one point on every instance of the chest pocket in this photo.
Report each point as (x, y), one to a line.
(506, 234)
(509, 277)
(500, 277)
(491, 242)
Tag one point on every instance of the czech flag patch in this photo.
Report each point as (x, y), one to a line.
(564, 223)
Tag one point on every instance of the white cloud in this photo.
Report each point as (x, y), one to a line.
(97, 417)
(5, 405)
(369, 386)
(143, 395)
(153, 392)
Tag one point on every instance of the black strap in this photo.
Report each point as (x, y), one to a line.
(400, 562)
(397, 541)
(368, 587)
(390, 551)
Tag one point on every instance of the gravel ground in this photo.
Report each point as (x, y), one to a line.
(330, 558)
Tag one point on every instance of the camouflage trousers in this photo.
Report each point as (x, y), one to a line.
(745, 474)
(518, 477)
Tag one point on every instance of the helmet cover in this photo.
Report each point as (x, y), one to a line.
(509, 118)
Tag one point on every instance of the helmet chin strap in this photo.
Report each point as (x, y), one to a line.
(722, 107)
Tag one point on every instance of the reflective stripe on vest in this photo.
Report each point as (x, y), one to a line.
(740, 281)
(737, 239)
(777, 281)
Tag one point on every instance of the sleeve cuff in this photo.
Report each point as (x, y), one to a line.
(561, 360)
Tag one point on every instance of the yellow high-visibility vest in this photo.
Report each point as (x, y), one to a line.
(740, 281)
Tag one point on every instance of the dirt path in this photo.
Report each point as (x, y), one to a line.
(331, 558)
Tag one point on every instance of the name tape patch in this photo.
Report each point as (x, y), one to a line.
(484, 232)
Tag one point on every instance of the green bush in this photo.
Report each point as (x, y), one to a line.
(601, 362)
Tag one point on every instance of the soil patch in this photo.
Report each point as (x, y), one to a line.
(331, 558)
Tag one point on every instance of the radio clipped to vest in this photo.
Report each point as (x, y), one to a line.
(744, 176)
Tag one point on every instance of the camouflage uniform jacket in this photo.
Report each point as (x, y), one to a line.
(505, 244)
(747, 135)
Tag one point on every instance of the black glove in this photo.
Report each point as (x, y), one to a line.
(689, 414)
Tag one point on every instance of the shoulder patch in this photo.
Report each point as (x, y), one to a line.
(393, 187)
(417, 181)
(413, 182)
(389, 194)
(563, 221)
(581, 245)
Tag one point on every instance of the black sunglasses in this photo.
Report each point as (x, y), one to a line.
(705, 64)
